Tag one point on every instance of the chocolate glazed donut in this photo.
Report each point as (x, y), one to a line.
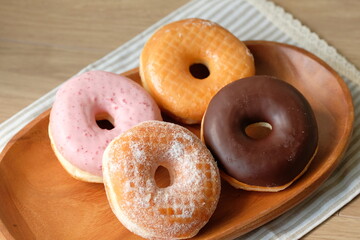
(261, 163)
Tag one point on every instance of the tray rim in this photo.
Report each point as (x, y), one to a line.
(343, 145)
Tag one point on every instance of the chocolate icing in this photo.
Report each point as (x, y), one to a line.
(270, 161)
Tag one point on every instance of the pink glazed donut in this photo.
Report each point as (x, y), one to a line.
(89, 111)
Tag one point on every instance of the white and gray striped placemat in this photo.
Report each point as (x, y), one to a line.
(248, 20)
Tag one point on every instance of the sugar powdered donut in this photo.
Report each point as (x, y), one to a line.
(186, 62)
(260, 161)
(77, 137)
(179, 210)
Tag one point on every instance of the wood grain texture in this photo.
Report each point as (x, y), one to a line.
(42, 43)
(337, 22)
(46, 203)
(333, 20)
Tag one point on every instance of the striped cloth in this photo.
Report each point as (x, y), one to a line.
(248, 20)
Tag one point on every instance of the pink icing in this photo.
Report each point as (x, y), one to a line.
(73, 126)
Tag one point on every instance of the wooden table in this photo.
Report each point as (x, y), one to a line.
(43, 43)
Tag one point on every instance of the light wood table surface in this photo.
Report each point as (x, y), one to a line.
(43, 43)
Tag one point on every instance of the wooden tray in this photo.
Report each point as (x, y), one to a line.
(38, 199)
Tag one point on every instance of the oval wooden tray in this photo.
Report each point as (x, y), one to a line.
(38, 199)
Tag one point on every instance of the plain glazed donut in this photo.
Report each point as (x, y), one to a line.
(179, 210)
(186, 62)
(77, 137)
(261, 163)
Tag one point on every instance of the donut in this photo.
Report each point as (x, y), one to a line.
(88, 112)
(147, 209)
(184, 63)
(268, 160)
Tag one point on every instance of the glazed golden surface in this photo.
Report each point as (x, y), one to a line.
(168, 55)
(33, 64)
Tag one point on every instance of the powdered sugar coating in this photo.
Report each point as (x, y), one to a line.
(177, 211)
(73, 126)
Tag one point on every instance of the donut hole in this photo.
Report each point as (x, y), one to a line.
(199, 70)
(258, 130)
(162, 177)
(104, 120)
